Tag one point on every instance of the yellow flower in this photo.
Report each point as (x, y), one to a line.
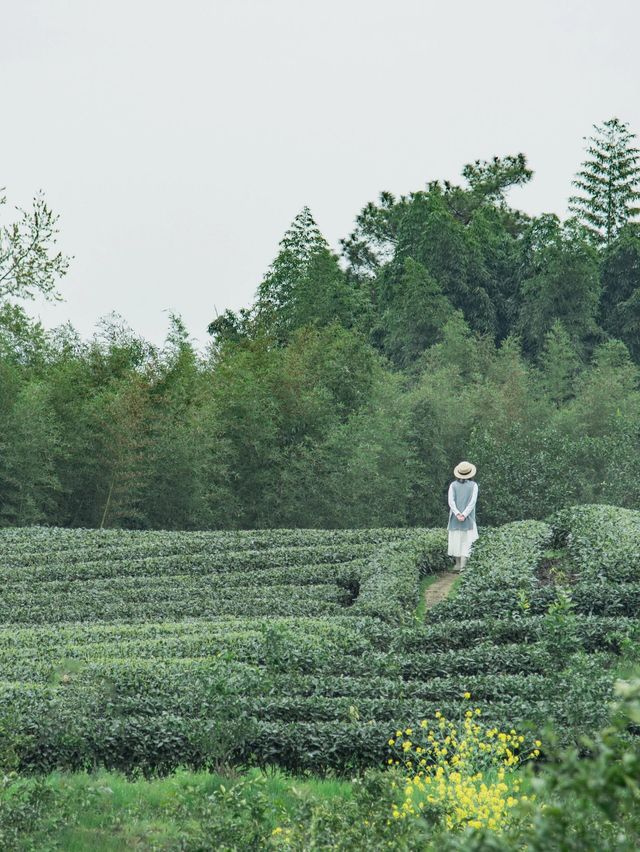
(467, 695)
(392, 742)
(453, 781)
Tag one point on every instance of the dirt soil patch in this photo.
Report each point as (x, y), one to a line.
(439, 590)
(554, 565)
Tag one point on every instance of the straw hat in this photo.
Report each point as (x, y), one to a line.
(465, 470)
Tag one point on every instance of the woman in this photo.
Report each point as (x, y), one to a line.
(463, 493)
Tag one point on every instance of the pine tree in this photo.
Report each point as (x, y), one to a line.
(304, 285)
(609, 181)
(297, 248)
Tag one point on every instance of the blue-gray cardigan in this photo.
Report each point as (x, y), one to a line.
(462, 493)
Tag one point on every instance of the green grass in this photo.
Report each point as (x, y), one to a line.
(456, 583)
(427, 581)
(104, 811)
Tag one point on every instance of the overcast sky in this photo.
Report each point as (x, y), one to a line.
(177, 140)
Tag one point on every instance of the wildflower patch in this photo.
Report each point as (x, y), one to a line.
(462, 771)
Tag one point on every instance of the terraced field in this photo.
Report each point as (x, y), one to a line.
(301, 647)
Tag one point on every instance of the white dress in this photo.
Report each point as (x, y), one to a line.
(460, 541)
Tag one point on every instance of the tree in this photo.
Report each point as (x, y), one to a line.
(373, 240)
(491, 179)
(609, 182)
(120, 424)
(356, 473)
(469, 353)
(559, 363)
(31, 449)
(620, 302)
(609, 393)
(431, 234)
(230, 327)
(22, 339)
(561, 282)
(101, 393)
(321, 295)
(303, 286)
(176, 453)
(417, 315)
(602, 421)
(276, 291)
(29, 263)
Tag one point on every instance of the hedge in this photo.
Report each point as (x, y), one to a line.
(603, 542)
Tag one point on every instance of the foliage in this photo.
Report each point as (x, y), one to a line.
(591, 803)
(453, 326)
(609, 181)
(29, 263)
(620, 303)
(460, 773)
(389, 582)
(574, 800)
(28, 810)
(296, 647)
(603, 542)
(560, 283)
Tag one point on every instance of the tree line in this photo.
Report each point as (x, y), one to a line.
(451, 325)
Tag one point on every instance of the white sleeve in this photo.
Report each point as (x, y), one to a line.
(472, 502)
(452, 504)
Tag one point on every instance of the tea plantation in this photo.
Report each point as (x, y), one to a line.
(301, 648)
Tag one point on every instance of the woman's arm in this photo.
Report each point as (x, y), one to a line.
(452, 504)
(472, 502)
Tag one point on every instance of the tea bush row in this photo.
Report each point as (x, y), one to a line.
(603, 542)
(514, 658)
(389, 580)
(124, 565)
(590, 597)
(295, 637)
(314, 734)
(181, 600)
(37, 546)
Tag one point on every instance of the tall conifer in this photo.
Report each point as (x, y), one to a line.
(608, 182)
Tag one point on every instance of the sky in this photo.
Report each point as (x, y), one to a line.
(178, 140)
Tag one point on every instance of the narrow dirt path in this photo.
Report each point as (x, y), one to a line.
(439, 590)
